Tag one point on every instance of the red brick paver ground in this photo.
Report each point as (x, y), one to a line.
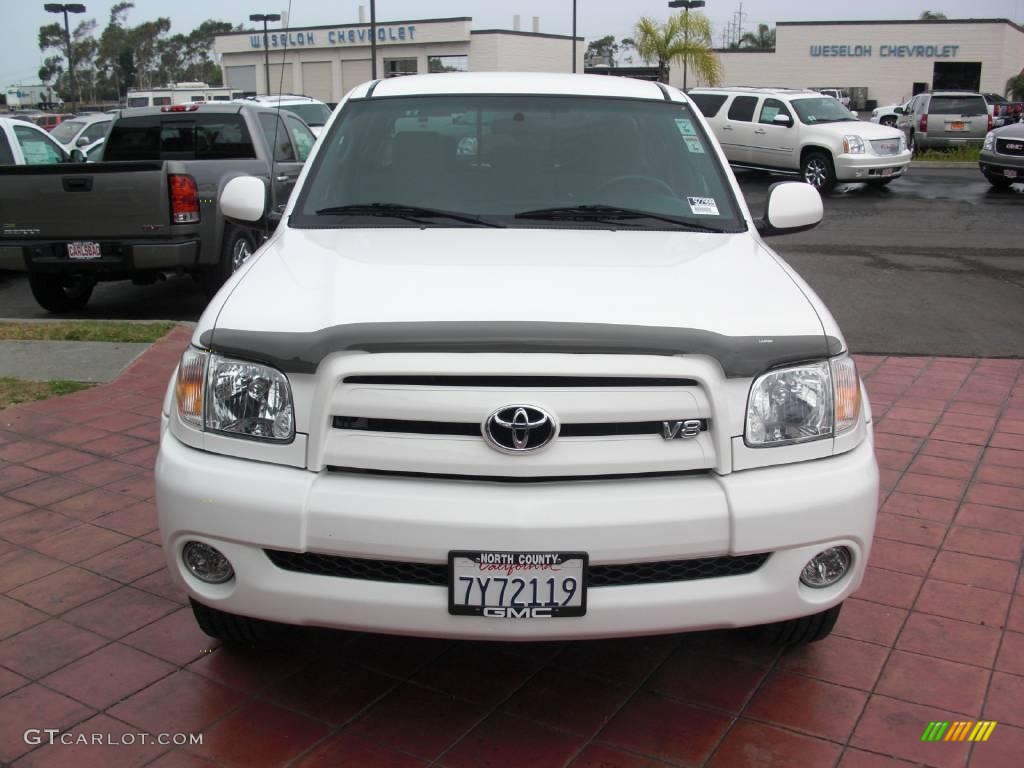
(95, 639)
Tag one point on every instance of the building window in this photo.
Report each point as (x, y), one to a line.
(447, 64)
(399, 67)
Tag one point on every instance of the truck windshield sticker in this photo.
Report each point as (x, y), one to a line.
(685, 126)
(693, 144)
(703, 206)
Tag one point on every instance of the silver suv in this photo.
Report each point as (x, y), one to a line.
(945, 119)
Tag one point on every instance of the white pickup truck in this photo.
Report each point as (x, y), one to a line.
(527, 372)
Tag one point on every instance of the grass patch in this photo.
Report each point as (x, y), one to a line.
(14, 391)
(84, 330)
(962, 154)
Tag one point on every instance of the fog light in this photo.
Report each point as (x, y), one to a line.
(826, 568)
(207, 563)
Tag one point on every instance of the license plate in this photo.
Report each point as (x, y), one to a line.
(1010, 174)
(887, 171)
(957, 126)
(83, 250)
(517, 585)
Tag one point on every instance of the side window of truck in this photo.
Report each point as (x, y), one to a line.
(38, 149)
(742, 108)
(770, 109)
(277, 137)
(6, 154)
(302, 136)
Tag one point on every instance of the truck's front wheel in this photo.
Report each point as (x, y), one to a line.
(806, 629)
(61, 293)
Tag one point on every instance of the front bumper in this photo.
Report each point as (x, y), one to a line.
(992, 164)
(868, 167)
(243, 507)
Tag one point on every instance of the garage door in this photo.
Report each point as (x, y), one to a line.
(353, 73)
(276, 84)
(242, 78)
(316, 80)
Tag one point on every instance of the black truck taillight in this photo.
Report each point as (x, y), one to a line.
(184, 198)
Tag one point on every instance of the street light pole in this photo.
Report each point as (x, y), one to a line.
(67, 8)
(687, 4)
(574, 37)
(373, 39)
(265, 17)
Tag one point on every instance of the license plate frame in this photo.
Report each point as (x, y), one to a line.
(499, 570)
(958, 125)
(887, 171)
(84, 250)
(1010, 173)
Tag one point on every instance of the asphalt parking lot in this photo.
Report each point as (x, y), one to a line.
(933, 264)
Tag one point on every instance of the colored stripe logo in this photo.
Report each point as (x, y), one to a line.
(960, 730)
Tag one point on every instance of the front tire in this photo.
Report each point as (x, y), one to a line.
(236, 630)
(61, 293)
(817, 171)
(806, 629)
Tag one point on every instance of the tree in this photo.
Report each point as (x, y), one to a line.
(604, 48)
(684, 38)
(1015, 87)
(932, 16)
(762, 40)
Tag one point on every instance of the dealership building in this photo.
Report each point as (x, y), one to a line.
(892, 60)
(326, 62)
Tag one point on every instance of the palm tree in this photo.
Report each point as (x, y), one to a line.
(763, 39)
(684, 39)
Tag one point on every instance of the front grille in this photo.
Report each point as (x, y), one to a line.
(886, 146)
(515, 382)
(1010, 146)
(435, 574)
(412, 427)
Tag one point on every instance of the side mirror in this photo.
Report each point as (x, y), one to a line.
(854, 112)
(244, 198)
(781, 119)
(792, 206)
(78, 156)
(82, 141)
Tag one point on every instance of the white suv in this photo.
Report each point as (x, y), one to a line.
(802, 133)
(539, 380)
(314, 113)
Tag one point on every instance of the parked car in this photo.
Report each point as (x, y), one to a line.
(801, 133)
(839, 94)
(888, 115)
(314, 112)
(24, 143)
(48, 121)
(82, 130)
(1002, 156)
(945, 119)
(1003, 110)
(151, 206)
(560, 388)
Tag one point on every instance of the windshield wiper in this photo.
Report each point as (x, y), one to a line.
(412, 213)
(609, 213)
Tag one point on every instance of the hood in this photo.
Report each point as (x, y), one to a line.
(1011, 131)
(866, 130)
(635, 291)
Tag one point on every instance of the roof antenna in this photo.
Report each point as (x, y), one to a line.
(277, 121)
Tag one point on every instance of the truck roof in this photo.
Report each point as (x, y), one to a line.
(516, 82)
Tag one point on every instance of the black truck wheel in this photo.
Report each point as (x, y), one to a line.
(61, 293)
(237, 246)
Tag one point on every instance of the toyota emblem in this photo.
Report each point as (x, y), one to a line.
(519, 428)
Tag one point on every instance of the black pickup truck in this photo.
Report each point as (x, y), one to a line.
(150, 206)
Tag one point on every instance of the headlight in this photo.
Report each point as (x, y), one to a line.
(234, 397)
(808, 402)
(990, 140)
(853, 145)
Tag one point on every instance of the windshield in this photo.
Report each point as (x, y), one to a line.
(599, 162)
(66, 131)
(313, 114)
(821, 109)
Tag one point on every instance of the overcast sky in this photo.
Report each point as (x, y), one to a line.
(20, 56)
